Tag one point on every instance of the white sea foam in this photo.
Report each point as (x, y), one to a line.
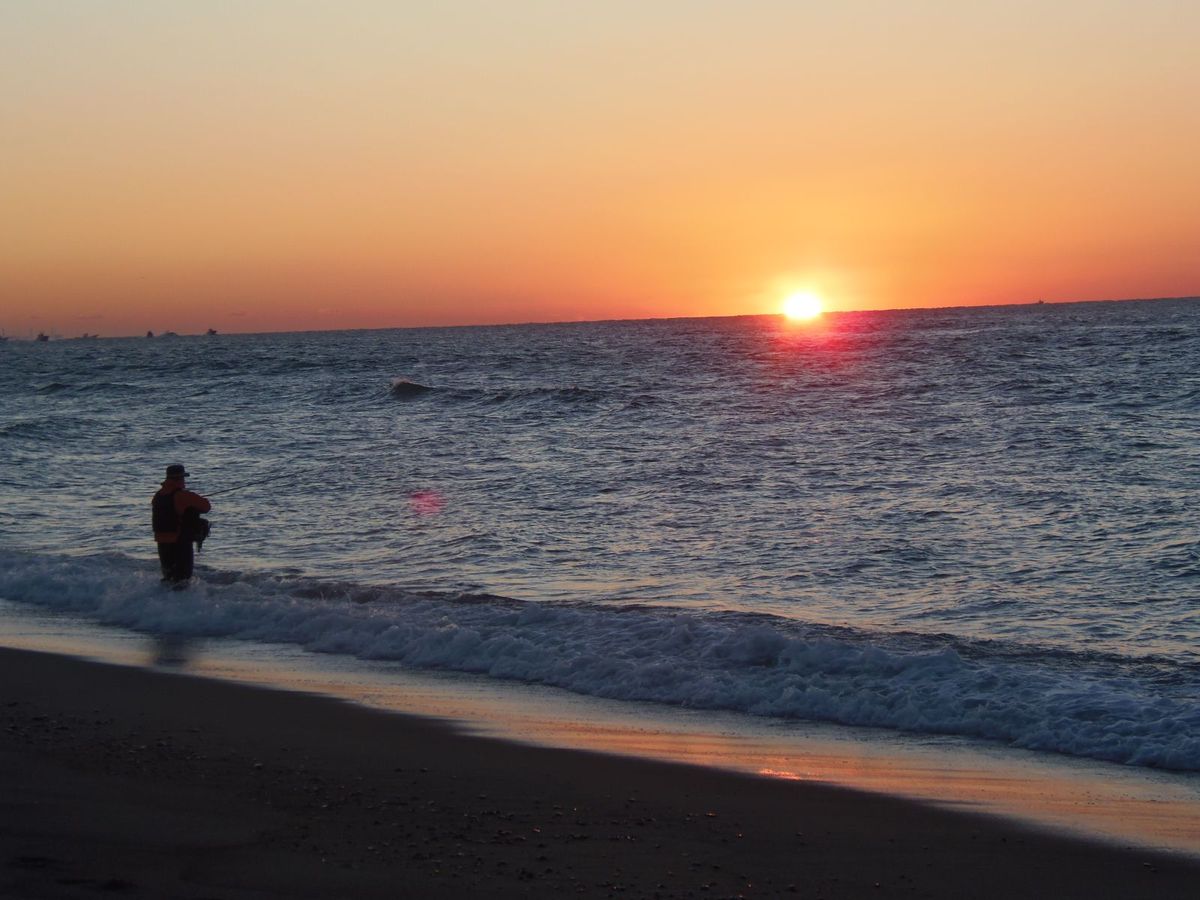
(1096, 707)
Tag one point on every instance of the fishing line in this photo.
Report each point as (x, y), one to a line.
(301, 473)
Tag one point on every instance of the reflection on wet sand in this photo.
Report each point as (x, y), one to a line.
(171, 651)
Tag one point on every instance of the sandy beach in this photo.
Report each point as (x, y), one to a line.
(141, 782)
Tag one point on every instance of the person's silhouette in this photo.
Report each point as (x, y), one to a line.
(175, 513)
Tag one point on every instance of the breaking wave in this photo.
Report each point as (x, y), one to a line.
(1138, 712)
(404, 389)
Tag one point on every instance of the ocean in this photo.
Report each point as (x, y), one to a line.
(974, 522)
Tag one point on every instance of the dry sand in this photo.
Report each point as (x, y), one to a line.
(147, 783)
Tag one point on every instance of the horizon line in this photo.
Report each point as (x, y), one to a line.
(523, 324)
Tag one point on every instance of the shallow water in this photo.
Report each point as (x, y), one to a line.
(972, 521)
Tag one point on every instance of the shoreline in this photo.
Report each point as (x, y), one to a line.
(157, 783)
(1122, 805)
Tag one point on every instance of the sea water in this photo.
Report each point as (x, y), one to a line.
(971, 522)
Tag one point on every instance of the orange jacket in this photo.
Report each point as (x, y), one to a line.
(184, 500)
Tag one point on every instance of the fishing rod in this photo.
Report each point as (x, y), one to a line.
(267, 480)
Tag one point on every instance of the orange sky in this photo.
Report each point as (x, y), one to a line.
(295, 165)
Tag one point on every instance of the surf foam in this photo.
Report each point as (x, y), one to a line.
(1140, 714)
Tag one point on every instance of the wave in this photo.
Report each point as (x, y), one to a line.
(1139, 712)
(42, 431)
(97, 387)
(543, 397)
(519, 397)
(404, 389)
(565, 394)
(527, 395)
(25, 428)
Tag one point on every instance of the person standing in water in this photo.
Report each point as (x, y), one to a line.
(175, 512)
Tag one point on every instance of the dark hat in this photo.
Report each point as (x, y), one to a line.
(175, 470)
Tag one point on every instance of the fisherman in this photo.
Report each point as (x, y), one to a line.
(176, 515)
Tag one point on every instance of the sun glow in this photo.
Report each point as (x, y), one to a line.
(802, 306)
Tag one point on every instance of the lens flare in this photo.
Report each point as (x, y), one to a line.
(427, 503)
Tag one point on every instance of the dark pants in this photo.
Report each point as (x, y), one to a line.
(177, 560)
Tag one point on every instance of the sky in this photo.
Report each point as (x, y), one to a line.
(270, 165)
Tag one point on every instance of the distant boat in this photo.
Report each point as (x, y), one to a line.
(42, 336)
(150, 334)
(168, 334)
(211, 332)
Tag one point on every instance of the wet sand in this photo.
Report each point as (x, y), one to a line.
(137, 782)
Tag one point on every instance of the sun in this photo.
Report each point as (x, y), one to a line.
(802, 306)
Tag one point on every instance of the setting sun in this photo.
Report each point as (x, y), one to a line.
(804, 305)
